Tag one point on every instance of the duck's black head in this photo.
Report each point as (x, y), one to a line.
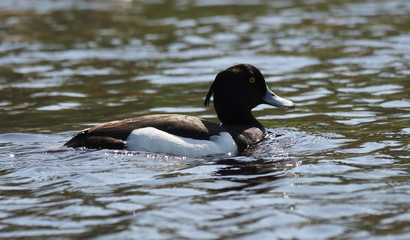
(237, 90)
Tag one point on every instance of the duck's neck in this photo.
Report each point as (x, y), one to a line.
(239, 118)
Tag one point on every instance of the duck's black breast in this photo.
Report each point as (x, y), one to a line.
(113, 135)
(244, 135)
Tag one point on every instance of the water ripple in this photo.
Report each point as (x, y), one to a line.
(336, 166)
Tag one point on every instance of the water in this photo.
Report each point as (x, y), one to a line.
(337, 166)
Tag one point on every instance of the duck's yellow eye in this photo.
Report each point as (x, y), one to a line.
(252, 80)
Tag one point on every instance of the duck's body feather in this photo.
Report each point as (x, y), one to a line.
(113, 135)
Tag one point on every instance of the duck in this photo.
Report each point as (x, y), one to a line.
(235, 91)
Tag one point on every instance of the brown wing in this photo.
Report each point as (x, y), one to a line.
(112, 135)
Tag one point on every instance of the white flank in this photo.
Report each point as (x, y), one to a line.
(150, 139)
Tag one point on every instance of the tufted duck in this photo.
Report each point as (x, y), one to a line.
(236, 90)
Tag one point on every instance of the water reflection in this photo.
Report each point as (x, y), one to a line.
(334, 167)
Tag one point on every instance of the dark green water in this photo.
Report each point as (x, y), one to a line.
(335, 167)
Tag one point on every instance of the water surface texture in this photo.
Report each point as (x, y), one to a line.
(335, 167)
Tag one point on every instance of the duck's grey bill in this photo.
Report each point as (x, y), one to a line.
(274, 100)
